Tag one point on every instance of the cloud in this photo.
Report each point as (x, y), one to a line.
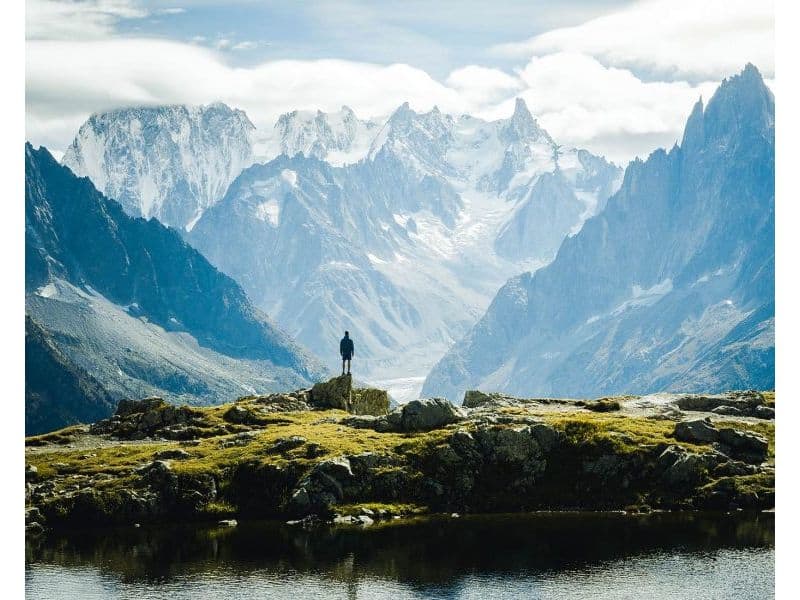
(86, 19)
(482, 86)
(66, 81)
(582, 99)
(583, 103)
(672, 39)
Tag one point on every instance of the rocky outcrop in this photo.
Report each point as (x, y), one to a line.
(334, 393)
(428, 454)
(742, 445)
(153, 417)
(340, 393)
(746, 404)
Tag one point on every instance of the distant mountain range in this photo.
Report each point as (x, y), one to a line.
(400, 231)
(130, 303)
(671, 287)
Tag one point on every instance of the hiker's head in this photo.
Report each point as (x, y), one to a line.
(346, 334)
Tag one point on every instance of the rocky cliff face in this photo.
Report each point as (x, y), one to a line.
(670, 287)
(128, 301)
(167, 162)
(291, 456)
(57, 391)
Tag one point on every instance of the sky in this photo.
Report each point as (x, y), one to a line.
(616, 77)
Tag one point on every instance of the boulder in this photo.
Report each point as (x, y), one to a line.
(334, 393)
(764, 412)
(286, 444)
(475, 398)
(241, 415)
(369, 401)
(687, 469)
(31, 473)
(329, 482)
(743, 445)
(700, 431)
(424, 415)
(129, 407)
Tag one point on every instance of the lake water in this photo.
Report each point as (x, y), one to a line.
(572, 555)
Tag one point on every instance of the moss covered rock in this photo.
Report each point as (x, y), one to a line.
(334, 393)
(369, 401)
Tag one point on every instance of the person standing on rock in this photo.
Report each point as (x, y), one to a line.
(346, 350)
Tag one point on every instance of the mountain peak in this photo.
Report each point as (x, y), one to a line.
(742, 104)
(522, 125)
(522, 116)
(694, 132)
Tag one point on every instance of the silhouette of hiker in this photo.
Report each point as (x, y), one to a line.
(346, 350)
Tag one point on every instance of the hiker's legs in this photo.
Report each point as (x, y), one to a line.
(348, 366)
(343, 361)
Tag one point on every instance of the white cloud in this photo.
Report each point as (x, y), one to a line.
(481, 86)
(581, 99)
(66, 81)
(85, 19)
(695, 40)
(583, 103)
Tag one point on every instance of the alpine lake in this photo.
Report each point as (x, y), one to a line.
(659, 555)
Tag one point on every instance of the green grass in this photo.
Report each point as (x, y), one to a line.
(589, 433)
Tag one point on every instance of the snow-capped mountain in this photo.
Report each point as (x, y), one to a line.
(403, 248)
(338, 137)
(131, 305)
(671, 287)
(168, 162)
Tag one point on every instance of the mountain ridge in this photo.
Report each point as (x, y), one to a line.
(686, 228)
(130, 302)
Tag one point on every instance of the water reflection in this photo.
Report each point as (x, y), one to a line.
(439, 556)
